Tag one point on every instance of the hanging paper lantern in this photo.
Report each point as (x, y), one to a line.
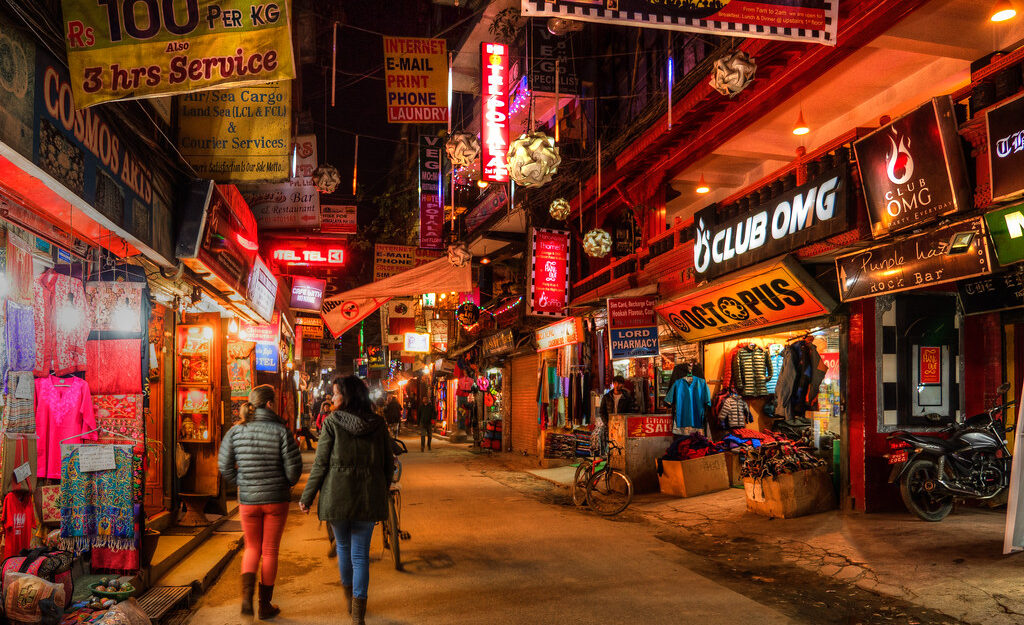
(467, 313)
(597, 243)
(463, 148)
(560, 209)
(733, 72)
(326, 178)
(458, 254)
(532, 159)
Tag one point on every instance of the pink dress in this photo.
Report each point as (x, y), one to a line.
(61, 412)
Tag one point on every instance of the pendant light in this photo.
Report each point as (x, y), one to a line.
(801, 127)
(1002, 10)
(702, 186)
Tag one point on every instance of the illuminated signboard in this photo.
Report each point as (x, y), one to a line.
(307, 256)
(416, 342)
(262, 291)
(559, 334)
(494, 120)
(308, 293)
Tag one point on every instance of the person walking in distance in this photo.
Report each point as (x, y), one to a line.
(393, 415)
(425, 416)
(261, 456)
(352, 472)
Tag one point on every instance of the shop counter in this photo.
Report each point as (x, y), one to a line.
(645, 438)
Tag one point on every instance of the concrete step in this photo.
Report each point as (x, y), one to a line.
(201, 568)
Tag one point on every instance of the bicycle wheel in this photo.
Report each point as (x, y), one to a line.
(579, 483)
(609, 492)
(391, 532)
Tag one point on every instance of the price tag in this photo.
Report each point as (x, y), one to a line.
(22, 473)
(96, 458)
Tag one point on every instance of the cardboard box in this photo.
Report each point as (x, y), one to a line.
(791, 495)
(688, 478)
(732, 464)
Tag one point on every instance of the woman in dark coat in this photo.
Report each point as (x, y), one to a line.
(261, 456)
(352, 473)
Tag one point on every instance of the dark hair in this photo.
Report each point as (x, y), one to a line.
(356, 395)
(619, 379)
(325, 404)
(259, 397)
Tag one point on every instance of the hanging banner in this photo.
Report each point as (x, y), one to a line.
(238, 135)
(771, 294)
(130, 50)
(915, 262)
(813, 21)
(548, 48)
(341, 314)
(548, 292)
(494, 133)
(337, 219)
(261, 333)
(632, 327)
(497, 344)
(416, 80)
(308, 294)
(431, 211)
(312, 327)
(391, 260)
(494, 201)
(912, 169)
(262, 289)
(294, 204)
(810, 212)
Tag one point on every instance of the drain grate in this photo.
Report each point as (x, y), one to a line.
(159, 600)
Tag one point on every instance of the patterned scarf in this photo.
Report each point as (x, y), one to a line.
(20, 331)
(19, 414)
(98, 508)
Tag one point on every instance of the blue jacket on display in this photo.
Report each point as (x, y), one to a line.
(689, 400)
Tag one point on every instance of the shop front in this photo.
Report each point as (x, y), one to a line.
(496, 394)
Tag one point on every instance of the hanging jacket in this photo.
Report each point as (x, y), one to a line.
(751, 370)
(735, 413)
(262, 457)
(786, 383)
(775, 358)
(689, 400)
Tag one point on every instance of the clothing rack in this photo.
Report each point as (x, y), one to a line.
(100, 429)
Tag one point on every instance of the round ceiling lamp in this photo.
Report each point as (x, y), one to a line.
(533, 159)
(597, 243)
(560, 209)
(733, 73)
(326, 178)
(463, 148)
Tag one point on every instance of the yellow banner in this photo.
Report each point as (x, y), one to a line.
(416, 77)
(127, 50)
(238, 135)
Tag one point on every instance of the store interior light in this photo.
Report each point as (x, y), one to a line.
(426, 370)
(233, 326)
(123, 316)
(482, 184)
(485, 260)
(1002, 10)
(801, 127)
(702, 185)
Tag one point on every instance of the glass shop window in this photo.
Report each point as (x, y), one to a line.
(928, 356)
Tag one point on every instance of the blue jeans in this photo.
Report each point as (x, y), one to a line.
(352, 540)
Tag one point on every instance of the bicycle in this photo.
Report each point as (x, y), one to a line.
(605, 490)
(392, 525)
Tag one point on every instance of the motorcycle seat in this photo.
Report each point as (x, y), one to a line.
(914, 439)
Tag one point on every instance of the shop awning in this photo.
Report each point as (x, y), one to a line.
(770, 294)
(342, 311)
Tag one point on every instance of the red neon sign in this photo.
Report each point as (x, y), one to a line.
(495, 123)
(304, 256)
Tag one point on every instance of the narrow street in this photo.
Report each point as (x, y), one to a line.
(495, 546)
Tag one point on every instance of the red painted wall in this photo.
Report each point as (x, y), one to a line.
(983, 361)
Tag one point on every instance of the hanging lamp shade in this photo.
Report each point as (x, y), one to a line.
(702, 185)
(533, 159)
(326, 178)
(800, 128)
(1002, 10)
(560, 209)
(597, 243)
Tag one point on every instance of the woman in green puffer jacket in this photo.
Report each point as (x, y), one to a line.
(352, 473)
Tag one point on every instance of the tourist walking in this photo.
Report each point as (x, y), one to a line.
(425, 416)
(261, 456)
(352, 473)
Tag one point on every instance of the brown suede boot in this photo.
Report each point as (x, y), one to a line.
(348, 599)
(248, 588)
(267, 610)
(358, 611)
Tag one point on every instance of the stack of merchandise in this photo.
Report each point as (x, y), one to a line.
(559, 445)
(582, 435)
(695, 445)
(492, 436)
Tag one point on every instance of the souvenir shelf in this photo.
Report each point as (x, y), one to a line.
(193, 414)
(194, 397)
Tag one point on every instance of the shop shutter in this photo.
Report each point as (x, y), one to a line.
(523, 420)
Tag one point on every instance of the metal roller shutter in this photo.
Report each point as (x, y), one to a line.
(523, 420)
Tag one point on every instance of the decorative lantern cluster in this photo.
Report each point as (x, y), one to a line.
(463, 148)
(560, 209)
(326, 178)
(733, 72)
(533, 159)
(597, 243)
(458, 254)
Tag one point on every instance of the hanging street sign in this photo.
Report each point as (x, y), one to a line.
(494, 135)
(559, 334)
(548, 292)
(1005, 126)
(308, 294)
(915, 262)
(1006, 228)
(632, 327)
(416, 80)
(431, 211)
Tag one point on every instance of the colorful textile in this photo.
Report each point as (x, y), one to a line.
(19, 412)
(20, 336)
(62, 322)
(19, 270)
(19, 521)
(64, 410)
(49, 498)
(96, 507)
(115, 306)
(122, 416)
(116, 368)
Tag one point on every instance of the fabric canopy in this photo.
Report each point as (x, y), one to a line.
(342, 311)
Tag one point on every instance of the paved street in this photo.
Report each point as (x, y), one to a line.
(494, 546)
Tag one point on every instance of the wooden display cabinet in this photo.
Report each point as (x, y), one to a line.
(199, 348)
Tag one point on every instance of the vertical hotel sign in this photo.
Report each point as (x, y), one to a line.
(494, 117)
(549, 272)
(416, 77)
(431, 213)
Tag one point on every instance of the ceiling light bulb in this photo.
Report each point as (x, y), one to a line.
(801, 126)
(485, 260)
(702, 186)
(233, 326)
(1002, 10)
(482, 184)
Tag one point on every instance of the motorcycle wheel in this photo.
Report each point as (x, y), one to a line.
(927, 505)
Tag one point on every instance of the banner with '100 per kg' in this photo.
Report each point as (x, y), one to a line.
(128, 49)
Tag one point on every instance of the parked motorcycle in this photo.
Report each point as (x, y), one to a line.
(967, 460)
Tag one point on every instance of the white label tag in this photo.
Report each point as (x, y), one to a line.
(96, 458)
(22, 473)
